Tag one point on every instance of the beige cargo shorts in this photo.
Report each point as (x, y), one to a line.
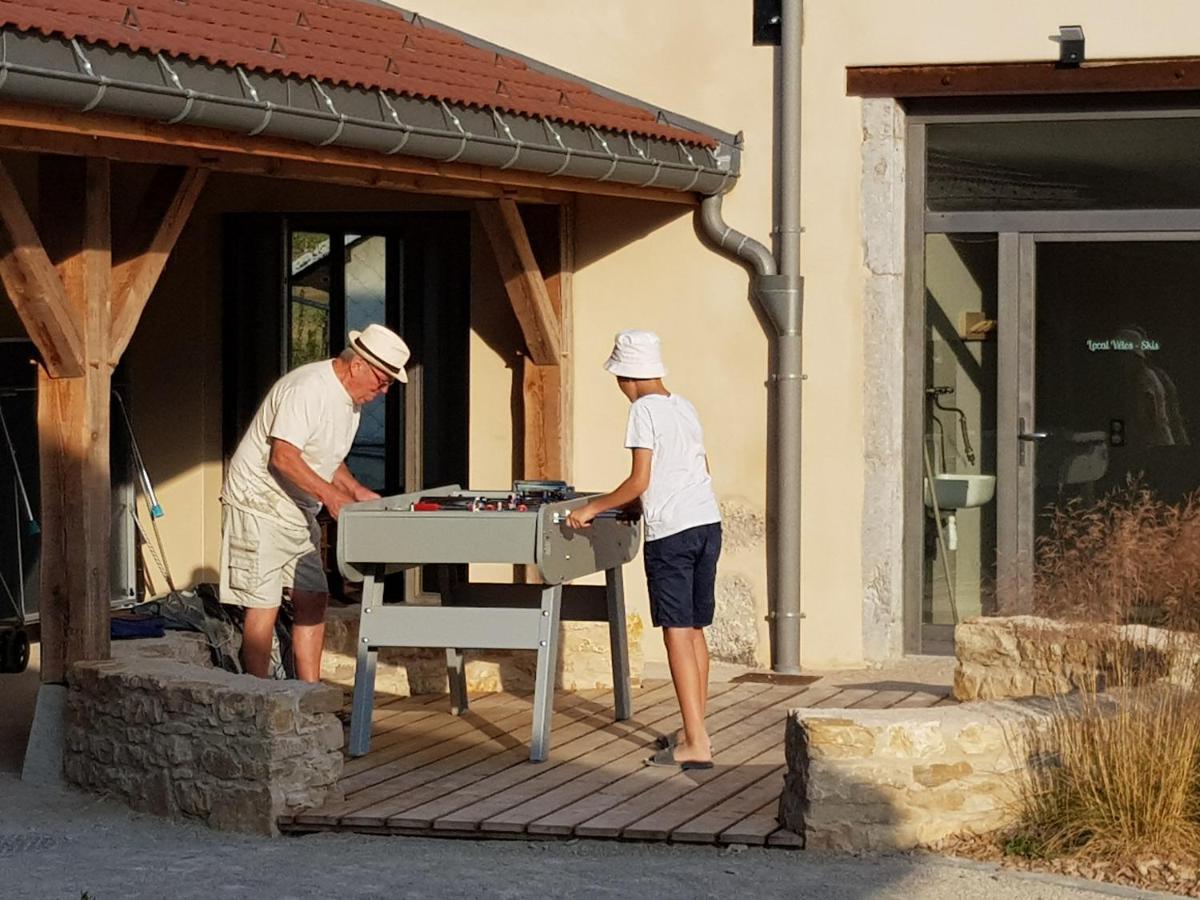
(260, 557)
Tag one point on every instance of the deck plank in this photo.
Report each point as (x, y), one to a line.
(845, 698)
(397, 742)
(497, 773)
(750, 717)
(513, 729)
(755, 828)
(445, 731)
(706, 827)
(431, 773)
(512, 787)
(652, 789)
(548, 793)
(923, 699)
(724, 788)
(457, 773)
(882, 700)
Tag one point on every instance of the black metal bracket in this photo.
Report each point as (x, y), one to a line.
(1070, 46)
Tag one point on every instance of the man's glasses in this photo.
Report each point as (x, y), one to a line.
(382, 378)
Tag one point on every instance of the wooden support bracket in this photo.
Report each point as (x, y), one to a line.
(35, 288)
(522, 280)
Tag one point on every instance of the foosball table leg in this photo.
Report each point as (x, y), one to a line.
(547, 661)
(614, 589)
(364, 671)
(456, 670)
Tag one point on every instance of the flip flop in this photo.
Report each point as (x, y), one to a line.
(665, 741)
(665, 758)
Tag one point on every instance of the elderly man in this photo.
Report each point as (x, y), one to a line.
(290, 463)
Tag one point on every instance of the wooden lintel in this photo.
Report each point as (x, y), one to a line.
(34, 128)
(34, 288)
(1025, 78)
(134, 279)
(501, 220)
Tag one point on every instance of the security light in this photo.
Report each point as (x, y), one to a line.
(1070, 46)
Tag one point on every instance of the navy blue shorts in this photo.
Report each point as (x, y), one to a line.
(681, 572)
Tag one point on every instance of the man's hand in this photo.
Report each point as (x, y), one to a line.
(334, 499)
(362, 494)
(582, 517)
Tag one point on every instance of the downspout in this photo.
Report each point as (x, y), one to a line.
(779, 290)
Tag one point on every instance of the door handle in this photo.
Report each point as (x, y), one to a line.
(1029, 436)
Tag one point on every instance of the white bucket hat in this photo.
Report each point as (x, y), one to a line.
(382, 348)
(636, 354)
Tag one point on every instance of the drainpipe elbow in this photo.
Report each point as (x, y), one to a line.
(729, 241)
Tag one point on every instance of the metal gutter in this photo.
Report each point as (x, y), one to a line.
(71, 74)
(778, 288)
(665, 116)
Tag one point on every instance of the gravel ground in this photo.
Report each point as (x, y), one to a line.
(65, 844)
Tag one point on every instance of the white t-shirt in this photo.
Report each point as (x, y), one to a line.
(680, 495)
(310, 409)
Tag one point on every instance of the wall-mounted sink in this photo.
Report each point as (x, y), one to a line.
(956, 491)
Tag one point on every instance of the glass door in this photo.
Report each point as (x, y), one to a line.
(1099, 423)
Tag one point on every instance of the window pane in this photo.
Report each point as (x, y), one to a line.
(959, 450)
(308, 285)
(1077, 164)
(366, 302)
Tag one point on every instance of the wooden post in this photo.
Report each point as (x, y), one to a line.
(547, 389)
(60, 278)
(73, 421)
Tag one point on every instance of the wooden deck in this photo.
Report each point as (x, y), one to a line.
(432, 773)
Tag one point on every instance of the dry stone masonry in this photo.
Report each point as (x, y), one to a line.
(894, 779)
(190, 741)
(1026, 656)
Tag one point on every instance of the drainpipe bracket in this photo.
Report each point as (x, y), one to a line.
(782, 298)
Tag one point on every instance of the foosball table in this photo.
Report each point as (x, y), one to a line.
(446, 527)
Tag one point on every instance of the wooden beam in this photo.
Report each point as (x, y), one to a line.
(134, 279)
(522, 280)
(48, 130)
(34, 288)
(547, 390)
(73, 422)
(1025, 78)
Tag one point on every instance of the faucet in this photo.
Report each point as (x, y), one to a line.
(936, 393)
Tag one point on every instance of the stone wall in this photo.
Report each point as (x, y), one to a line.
(583, 663)
(1025, 656)
(193, 742)
(894, 779)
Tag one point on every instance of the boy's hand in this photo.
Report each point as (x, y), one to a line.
(582, 517)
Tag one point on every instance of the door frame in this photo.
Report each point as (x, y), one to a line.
(1019, 233)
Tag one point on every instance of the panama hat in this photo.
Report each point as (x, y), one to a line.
(382, 348)
(636, 354)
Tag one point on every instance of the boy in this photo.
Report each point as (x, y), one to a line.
(683, 531)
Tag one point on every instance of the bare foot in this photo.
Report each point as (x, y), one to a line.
(697, 751)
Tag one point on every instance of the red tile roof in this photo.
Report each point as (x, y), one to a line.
(346, 42)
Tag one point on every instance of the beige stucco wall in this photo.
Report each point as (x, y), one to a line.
(641, 265)
(696, 58)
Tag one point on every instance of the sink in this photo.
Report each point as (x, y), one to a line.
(955, 491)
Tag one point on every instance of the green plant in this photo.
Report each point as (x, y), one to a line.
(1024, 845)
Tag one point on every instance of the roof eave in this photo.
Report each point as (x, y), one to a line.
(97, 79)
